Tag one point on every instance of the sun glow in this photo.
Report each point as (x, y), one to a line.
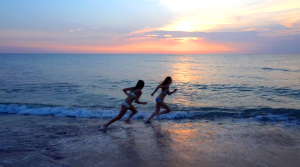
(213, 15)
(183, 26)
(196, 23)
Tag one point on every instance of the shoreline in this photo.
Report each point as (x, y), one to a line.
(31, 140)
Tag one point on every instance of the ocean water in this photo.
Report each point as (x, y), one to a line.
(229, 110)
(262, 87)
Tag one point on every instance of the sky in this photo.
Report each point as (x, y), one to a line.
(150, 26)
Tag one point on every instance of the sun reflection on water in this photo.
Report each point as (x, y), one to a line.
(185, 73)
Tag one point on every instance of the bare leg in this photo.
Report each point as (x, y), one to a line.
(158, 105)
(119, 116)
(164, 105)
(134, 111)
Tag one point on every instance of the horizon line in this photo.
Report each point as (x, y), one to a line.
(168, 53)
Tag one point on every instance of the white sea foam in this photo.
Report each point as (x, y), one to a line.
(103, 113)
(83, 112)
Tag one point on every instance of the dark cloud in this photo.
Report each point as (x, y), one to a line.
(278, 45)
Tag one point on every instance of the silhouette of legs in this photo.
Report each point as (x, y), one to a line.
(158, 105)
(119, 116)
(167, 109)
(134, 111)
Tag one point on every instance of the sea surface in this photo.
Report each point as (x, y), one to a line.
(90, 85)
(229, 110)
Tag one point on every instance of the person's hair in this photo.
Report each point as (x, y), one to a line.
(139, 85)
(166, 81)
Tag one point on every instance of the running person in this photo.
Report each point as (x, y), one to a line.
(133, 95)
(160, 98)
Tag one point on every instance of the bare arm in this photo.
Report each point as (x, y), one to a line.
(155, 90)
(137, 98)
(125, 90)
(160, 86)
(172, 92)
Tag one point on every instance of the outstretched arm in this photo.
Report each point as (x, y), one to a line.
(137, 99)
(125, 90)
(172, 92)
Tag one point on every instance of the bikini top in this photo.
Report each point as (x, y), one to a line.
(132, 94)
(165, 92)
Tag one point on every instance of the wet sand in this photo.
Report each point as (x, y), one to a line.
(28, 140)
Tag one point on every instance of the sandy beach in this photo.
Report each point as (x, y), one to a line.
(28, 140)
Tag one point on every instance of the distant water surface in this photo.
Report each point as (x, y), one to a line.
(91, 85)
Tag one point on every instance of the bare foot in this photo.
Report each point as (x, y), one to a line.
(103, 128)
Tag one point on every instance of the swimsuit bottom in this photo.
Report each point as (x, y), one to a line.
(125, 104)
(158, 100)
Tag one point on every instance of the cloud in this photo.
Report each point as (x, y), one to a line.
(289, 33)
(250, 41)
(217, 15)
(243, 36)
(157, 26)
